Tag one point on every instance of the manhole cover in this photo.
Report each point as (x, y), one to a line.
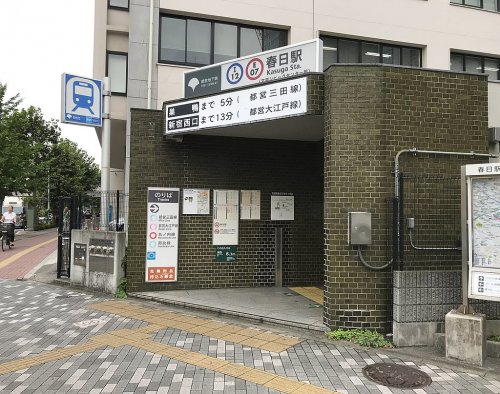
(395, 375)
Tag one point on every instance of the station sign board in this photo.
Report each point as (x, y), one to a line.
(483, 230)
(162, 234)
(261, 67)
(270, 101)
(81, 100)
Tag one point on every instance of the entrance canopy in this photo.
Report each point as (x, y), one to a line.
(291, 109)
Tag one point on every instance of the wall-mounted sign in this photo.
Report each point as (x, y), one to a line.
(250, 205)
(162, 234)
(483, 230)
(226, 217)
(277, 100)
(282, 206)
(196, 201)
(226, 254)
(261, 67)
(81, 100)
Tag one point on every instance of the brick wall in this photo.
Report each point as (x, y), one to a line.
(230, 163)
(372, 112)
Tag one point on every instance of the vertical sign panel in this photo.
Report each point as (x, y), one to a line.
(226, 217)
(250, 204)
(162, 241)
(282, 206)
(196, 202)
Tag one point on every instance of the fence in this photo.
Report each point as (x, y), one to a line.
(105, 211)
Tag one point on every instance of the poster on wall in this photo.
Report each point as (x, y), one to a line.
(226, 217)
(162, 235)
(250, 205)
(282, 206)
(196, 201)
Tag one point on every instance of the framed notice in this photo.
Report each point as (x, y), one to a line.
(162, 235)
(226, 217)
(196, 201)
(282, 206)
(250, 205)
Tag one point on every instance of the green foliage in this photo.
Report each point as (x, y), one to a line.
(43, 226)
(33, 157)
(494, 338)
(121, 290)
(361, 337)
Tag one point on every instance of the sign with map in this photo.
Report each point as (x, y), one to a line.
(483, 230)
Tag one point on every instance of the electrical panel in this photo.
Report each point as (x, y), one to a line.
(360, 228)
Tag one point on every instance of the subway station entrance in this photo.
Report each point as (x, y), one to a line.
(259, 197)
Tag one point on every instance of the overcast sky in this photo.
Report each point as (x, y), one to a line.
(39, 40)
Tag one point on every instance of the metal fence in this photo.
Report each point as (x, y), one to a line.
(426, 225)
(105, 211)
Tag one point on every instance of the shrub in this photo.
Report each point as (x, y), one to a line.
(361, 337)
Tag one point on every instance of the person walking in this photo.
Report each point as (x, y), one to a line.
(9, 218)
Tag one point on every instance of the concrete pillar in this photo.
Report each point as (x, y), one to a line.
(466, 337)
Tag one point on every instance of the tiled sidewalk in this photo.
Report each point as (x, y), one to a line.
(82, 343)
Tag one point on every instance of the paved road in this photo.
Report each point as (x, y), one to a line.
(59, 340)
(30, 249)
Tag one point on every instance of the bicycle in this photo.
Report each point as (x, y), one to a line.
(5, 238)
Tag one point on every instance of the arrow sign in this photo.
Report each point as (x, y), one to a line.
(154, 208)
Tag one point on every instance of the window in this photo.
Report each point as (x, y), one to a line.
(343, 50)
(198, 42)
(121, 4)
(490, 5)
(476, 64)
(116, 70)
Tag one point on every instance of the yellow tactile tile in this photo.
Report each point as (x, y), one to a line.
(258, 377)
(290, 341)
(254, 342)
(313, 293)
(274, 347)
(233, 370)
(236, 338)
(283, 384)
(267, 336)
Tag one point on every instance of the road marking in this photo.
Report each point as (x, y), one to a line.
(13, 258)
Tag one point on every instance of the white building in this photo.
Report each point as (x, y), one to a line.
(145, 46)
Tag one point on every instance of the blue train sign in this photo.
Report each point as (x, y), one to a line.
(81, 100)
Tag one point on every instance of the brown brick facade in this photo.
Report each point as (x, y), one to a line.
(372, 112)
(238, 164)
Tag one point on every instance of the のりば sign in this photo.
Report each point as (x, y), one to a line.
(162, 235)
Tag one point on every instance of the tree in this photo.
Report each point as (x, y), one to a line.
(32, 151)
(72, 171)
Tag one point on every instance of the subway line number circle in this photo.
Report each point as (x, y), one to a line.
(234, 73)
(254, 69)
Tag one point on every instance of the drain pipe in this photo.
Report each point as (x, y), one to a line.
(150, 53)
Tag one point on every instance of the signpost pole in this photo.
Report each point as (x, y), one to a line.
(105, 153)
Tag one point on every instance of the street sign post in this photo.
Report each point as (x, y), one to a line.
(81, 100)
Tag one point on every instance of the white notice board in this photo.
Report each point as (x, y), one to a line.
(226, 217)
(162, 241)
(196, 201)
(250, 205)
(282, 206)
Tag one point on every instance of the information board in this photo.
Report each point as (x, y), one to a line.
(226, 217)
(162, 239)
(226, 254)
(482, 222)
(196, 201)
(282, 206)
(250, 205)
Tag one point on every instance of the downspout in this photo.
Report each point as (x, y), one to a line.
(150, 52)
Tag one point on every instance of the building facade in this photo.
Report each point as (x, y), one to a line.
(146, 46)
